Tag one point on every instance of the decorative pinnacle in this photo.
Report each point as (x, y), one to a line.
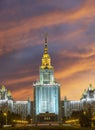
(90, 85)
(45, 45)
(45, 38)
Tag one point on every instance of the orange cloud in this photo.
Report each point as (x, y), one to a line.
(18, 36)
(23, 94)
(74, 86)
(81, 65)
(20, 80)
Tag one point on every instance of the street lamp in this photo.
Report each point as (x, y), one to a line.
(31, 120)
(5, 114)
(84, 112)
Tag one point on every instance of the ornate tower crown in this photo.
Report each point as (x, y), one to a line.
(90, 87)
(3, 88)
(46, 60)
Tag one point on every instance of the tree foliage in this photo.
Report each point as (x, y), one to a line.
(85, 118)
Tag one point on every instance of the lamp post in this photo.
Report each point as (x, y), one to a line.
(5, 114)
(31, 120)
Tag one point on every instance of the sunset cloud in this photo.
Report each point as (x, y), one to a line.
(71, 40)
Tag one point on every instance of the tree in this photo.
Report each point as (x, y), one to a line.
(85, 118)
(28, 118)
(1, 119)
(75, 114)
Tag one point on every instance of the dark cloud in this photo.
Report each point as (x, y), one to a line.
(70, 27)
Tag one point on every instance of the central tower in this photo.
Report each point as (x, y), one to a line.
(46, 91)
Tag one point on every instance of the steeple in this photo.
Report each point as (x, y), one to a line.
(46, 60)
(3, 88)
(9, 93)
(90, 87)
(45, 45)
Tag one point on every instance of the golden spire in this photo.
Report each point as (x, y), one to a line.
(85, 92)
(46, 61)
(3, 88)
(45, 45)
(46, 38)
(90, 87)
(9, 93)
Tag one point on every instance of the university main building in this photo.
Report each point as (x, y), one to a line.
(47, 105)
(46, 91)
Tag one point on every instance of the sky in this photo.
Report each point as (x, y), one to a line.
(70, 25)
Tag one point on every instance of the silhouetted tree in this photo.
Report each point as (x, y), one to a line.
(85, 118)
(1, 119)
(28, 118)
(75, 114)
